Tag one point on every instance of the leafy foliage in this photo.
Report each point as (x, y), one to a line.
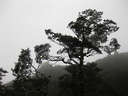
(22, 68)
(31, 87)
(42, 52)
(91, 33)
(25, 83)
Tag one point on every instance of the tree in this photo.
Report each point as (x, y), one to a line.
(91, 35)
(2, 72)
(23, 68)
(25, 83)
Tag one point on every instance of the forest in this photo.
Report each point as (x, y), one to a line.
(105, 77)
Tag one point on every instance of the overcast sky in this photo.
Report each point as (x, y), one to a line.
(22, 24)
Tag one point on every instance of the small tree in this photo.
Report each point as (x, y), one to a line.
(23, 68)
(25, 83)
(91, 35)
(2, 72)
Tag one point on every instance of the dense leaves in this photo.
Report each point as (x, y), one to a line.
(29, 81)
(22, 68)
(31, 87)
(42, 52)
(112, 47)
(91, 33)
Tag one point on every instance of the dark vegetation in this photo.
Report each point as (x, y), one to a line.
(114, 74)
(2, 88)
(115, 70)
(79, 78)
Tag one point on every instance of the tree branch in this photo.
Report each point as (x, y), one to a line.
(75, 61)
(37, 71)
(67, 62)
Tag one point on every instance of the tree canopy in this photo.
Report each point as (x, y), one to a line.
(91, 35)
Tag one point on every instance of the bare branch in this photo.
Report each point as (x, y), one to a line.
(37, 71)
(67, 62)
(55, 58)
(88, 51)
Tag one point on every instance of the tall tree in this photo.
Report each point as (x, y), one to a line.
(91, 35)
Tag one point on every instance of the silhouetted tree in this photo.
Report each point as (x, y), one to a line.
(25, 84)
(23, 68)
(91, 35)
(2, 88)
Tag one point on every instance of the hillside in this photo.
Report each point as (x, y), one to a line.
(115, 70)
(114, 65)
(53, 71)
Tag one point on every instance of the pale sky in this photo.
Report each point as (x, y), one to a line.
(22, 24)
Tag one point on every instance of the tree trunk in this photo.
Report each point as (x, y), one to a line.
(81, 75)
(81, 78)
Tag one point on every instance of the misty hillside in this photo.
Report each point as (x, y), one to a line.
(117, 59)
(53, 71)
(114, 65)
(115, 72)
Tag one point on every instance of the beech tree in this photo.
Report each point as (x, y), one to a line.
(91, 37)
